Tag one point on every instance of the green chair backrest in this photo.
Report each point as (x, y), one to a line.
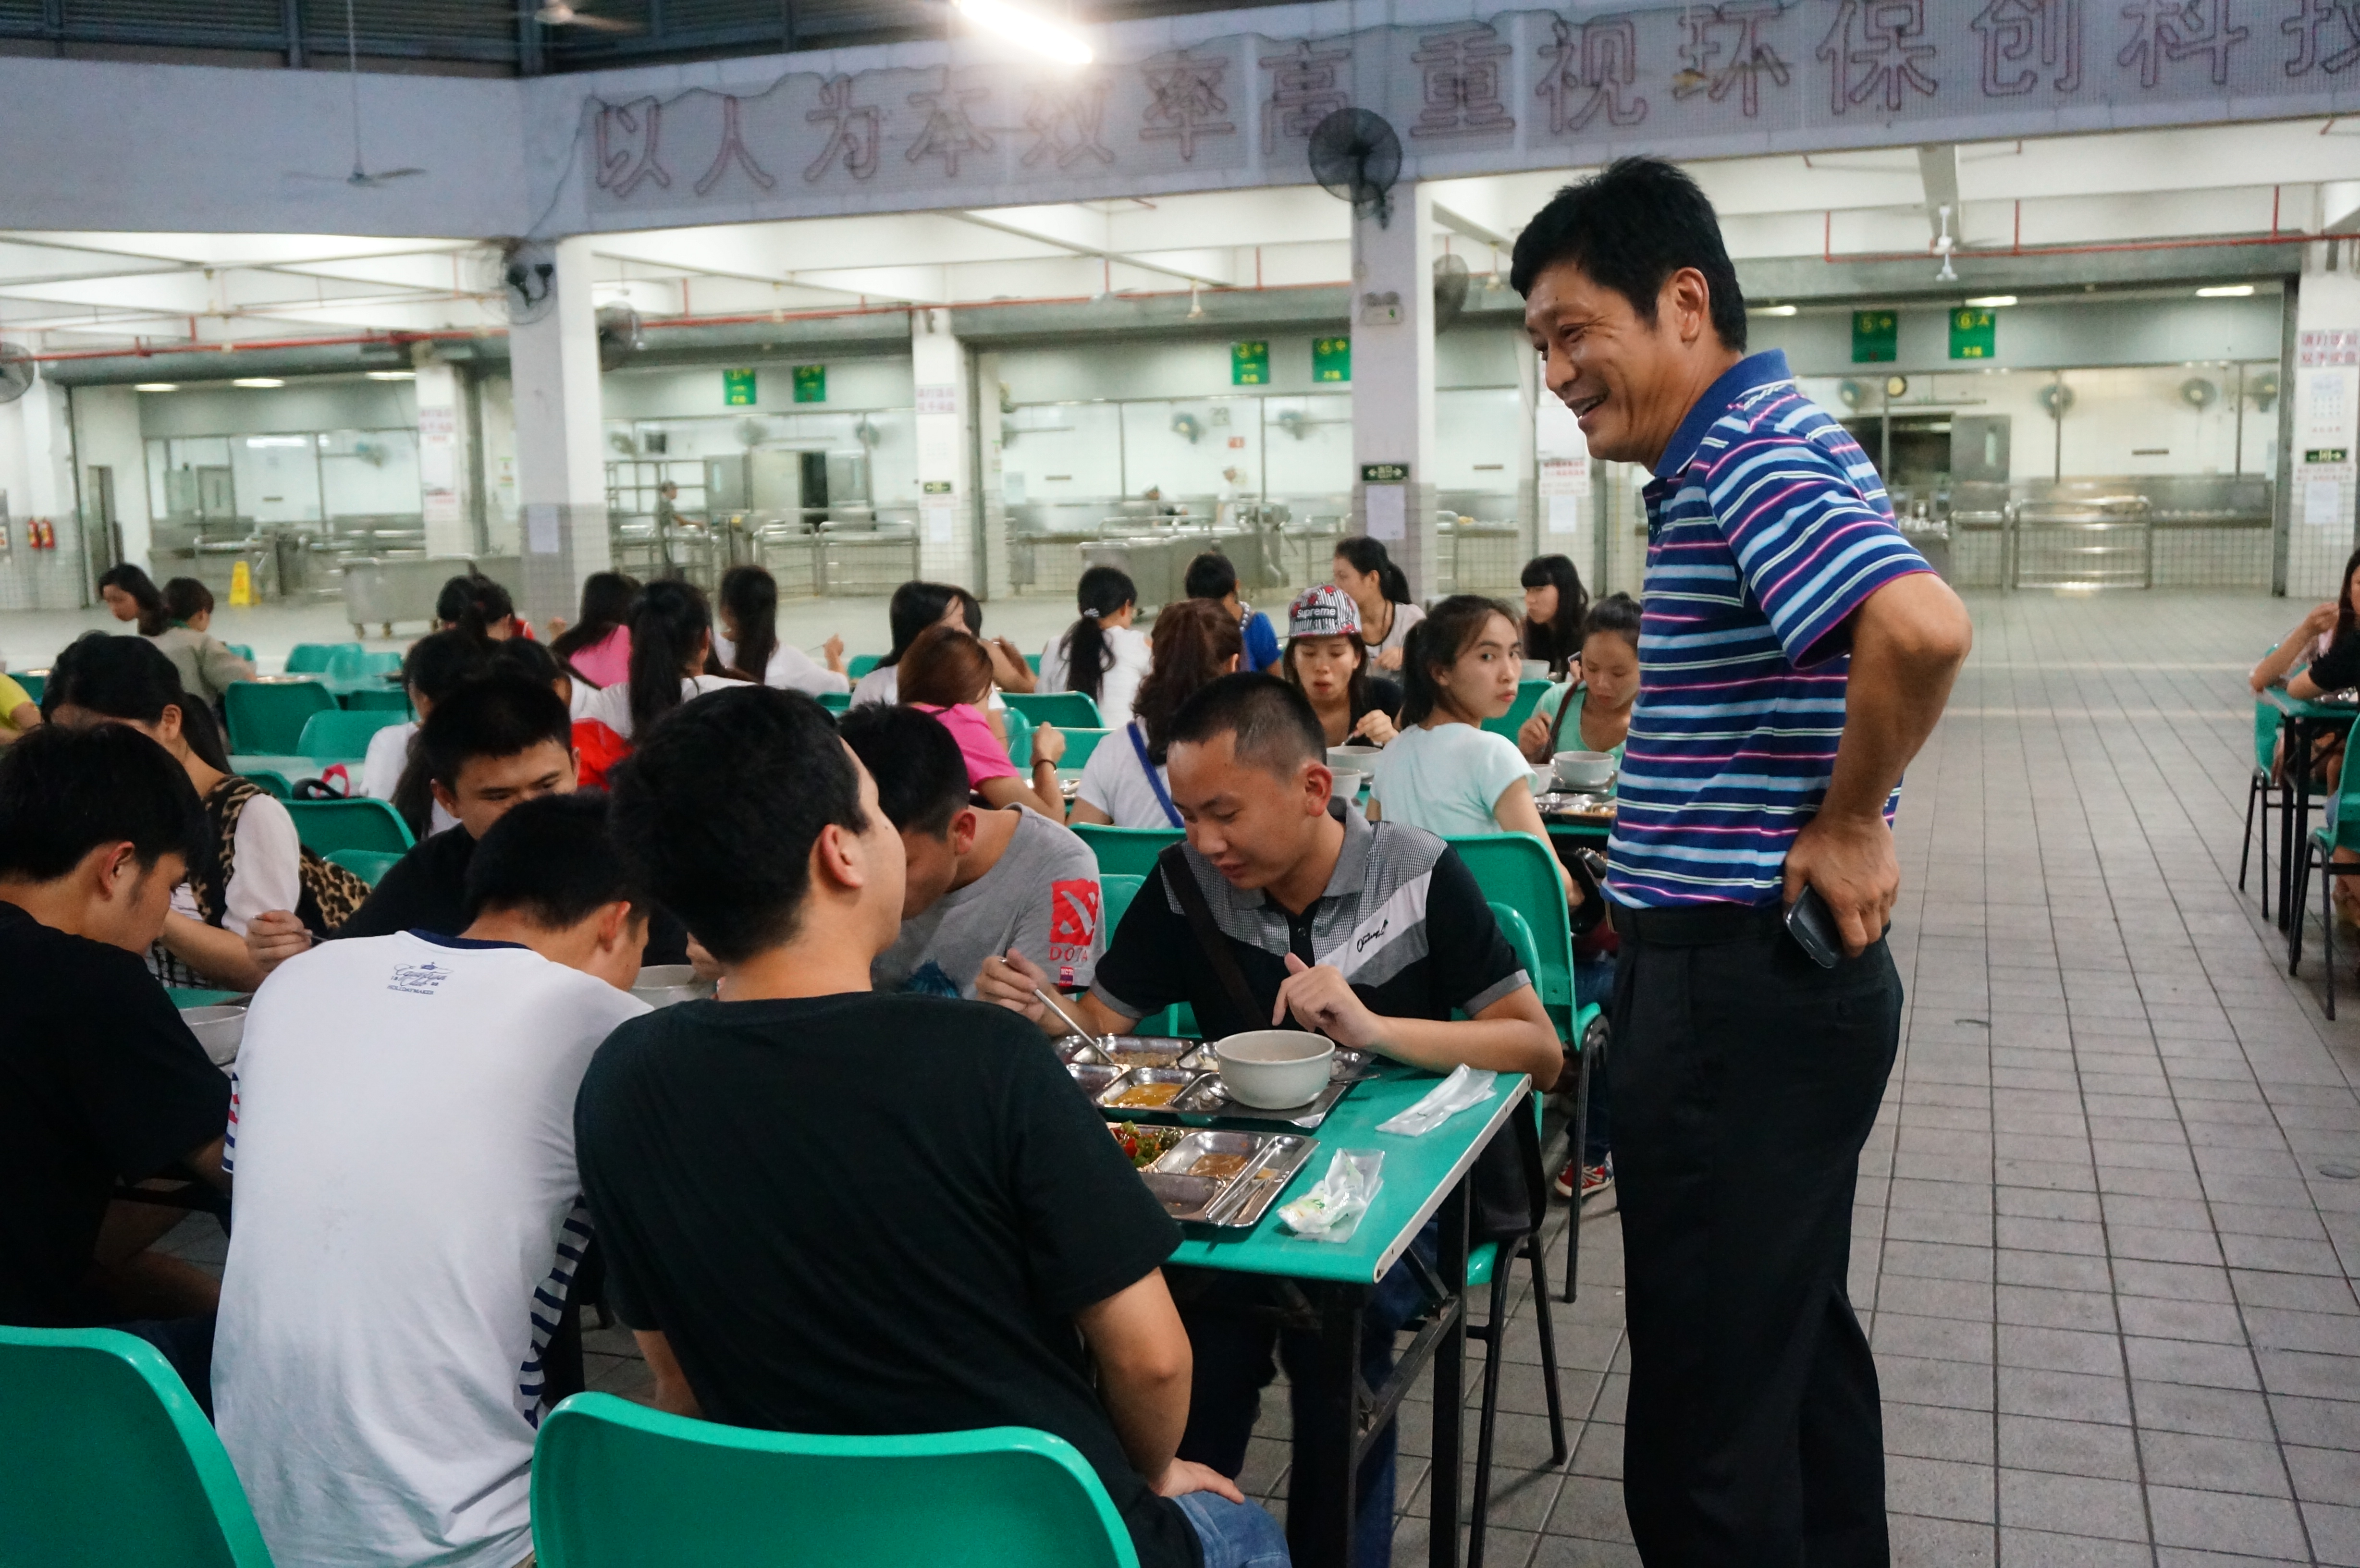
(2342, 827)
(371, 699)
(1019, 741)
(244, 651)
(348, 662)
(835, 701)
(325, 826)
(862, 663)
(1080, 743)
(187, 997)
(34, 685)
(2266, 720)
(1116, 889)
(1059, 708)
(1528, 697)
(1521, 873)
(1127, 850)
(336, 735)
(1033, 662)
(369, 864)
(274, 783)
(380, 664)
(616, 1485)
(105, 1462)
(316, 657)
(265, 719)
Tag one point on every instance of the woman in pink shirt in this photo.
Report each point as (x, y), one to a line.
(597, 648)
(947, 673)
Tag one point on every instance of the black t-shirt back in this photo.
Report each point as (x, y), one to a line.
(867, 1215)
(101, 1081)
(426, 890)
(2338, 669)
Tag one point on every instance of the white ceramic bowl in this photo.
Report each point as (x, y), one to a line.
(1536, 670)
(661, 985)
(218, 1029)
(1585, 771)
(1348, 782)
(1274, 1070)
(1353, 758)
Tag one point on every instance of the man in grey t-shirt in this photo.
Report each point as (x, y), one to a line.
(980, 882)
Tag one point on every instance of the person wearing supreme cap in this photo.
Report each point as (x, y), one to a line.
(1327, 661)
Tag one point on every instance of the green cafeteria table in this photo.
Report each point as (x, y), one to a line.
(2305, 722)
(1423, 1177)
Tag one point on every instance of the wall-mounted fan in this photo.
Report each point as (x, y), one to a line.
(2263, 389)
(2056, 397)
(865, 432)
(15, 371)
(1451, 281)
(618, 335)
(1186, 427)
(2198, 393)
(1295, 422)
(1356, 155)
(522, 274)
(752, 433)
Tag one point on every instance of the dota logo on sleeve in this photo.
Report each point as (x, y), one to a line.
(1074, 919)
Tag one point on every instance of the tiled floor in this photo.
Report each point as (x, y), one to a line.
(2101, 1244)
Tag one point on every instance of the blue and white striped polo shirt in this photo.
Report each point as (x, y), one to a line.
(1767, 527)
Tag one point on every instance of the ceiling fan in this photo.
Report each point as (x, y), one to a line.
(558, 14)
(361, 175)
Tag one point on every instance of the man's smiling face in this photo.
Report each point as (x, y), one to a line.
(1623, 376)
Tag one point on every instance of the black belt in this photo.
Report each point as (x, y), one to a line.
(1698, 925)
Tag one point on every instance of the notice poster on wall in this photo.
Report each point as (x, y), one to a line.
(1388, 509)
(939, 512)
(1563, 483)
(2327, 409)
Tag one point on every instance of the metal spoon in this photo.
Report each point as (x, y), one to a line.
(1104, 1043)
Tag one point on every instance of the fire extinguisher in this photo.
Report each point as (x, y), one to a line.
(43, 532)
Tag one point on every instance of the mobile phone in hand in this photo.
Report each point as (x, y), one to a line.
(1813, 927)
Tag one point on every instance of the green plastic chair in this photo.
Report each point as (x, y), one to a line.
(1019, 741)
(862, 663)
(1058, 708)
(187, 997)
(1127, 851)
(1033, 662)
(244, 651)
(1521, 873)
(835, 701)
(108, 1463)
(616, 1485)
(34, 685)
(2341, 829)
(317, 658)
(370, 700)
(369, 864)
(265, 719)
(1080, 743)
(380, 664)
(326, 826)
(2261, 789)
(1116, 891)
(1528, 697)
(274, 783)
(339, 735)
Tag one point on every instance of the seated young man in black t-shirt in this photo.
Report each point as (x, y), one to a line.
(1369, 933)
(830, 1211)
(103, 1082)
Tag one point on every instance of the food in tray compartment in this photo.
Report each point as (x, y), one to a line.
(1218, 1166)
(1145, 1145)
(1148, 1097)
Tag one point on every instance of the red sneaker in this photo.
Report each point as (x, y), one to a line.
(1594, 1179)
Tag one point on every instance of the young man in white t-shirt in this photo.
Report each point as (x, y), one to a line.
(407, 1216)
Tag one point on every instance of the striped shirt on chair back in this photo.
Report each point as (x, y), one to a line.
(1767, 527)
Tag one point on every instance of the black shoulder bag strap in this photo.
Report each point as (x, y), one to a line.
(1174, 866)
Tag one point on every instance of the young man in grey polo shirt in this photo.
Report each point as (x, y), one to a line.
(1794, 654)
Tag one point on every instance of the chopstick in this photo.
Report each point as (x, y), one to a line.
(1059, 1008)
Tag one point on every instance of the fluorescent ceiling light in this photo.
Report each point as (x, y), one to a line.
(1020, 26)
(1775, 311)
(1992, 301)
(253, 441)
(391, 375)
(257, 381)
(2225, 291)
(155, 386)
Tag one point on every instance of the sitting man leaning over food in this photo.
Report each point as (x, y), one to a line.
(830, 1211)
(1372, 934)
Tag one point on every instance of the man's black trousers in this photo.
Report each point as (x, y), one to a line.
(1746, 1079)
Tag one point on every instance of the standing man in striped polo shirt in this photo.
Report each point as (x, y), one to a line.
(1795, 653)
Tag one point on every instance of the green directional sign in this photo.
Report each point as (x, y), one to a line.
(811, 383)
(1250, 364)
(737, 388)
(1331, 359)
(1974, 334)
(1876, 337)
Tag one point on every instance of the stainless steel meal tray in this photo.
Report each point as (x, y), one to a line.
(1109, 1097)
(1208, 1097)
(1130, 1050)
(1093, 1076)
(1264, 1164)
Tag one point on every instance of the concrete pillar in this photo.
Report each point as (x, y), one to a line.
(443, 462)
(946, 481)
(1393, 383)
(2320, 431)
(560, 472)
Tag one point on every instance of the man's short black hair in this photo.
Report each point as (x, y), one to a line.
(64, 792)
(550, 859)
(1629, 227)
(717, 811)
(920, 774)
(1275, 725)
(500, 714)
(1210, 576)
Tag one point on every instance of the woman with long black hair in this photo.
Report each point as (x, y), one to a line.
(1124, 783)
(746, 644)
(1101, 655)
(132, 595)
(1380, 592)
(1556, 611)
(598, 647)
(672, 635)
